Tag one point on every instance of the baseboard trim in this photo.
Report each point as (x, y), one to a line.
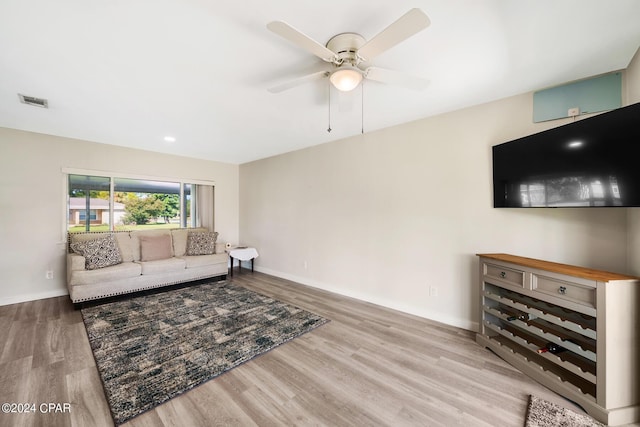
(33, 297)
(447, 320)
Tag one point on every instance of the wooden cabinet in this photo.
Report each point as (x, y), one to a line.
(593, 315)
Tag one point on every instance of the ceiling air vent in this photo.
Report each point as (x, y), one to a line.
(32, 100)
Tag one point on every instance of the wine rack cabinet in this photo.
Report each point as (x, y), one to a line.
(589, 318)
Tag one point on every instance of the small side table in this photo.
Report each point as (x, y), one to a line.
(242, 253)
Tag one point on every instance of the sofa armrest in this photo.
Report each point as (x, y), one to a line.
(75, 262)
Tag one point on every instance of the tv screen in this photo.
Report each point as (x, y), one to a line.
(592, 162)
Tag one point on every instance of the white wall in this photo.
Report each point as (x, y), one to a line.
(633, 95)
(381, 217)
(384, 216)
(32, 202)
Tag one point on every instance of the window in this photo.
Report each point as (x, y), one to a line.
(92, 215)
(101, 203)
(148, 203)
(88, 207)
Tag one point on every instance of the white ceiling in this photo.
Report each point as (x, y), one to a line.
(130, 72)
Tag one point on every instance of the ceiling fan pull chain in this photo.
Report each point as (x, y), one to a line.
(329, 87)
(362, 108)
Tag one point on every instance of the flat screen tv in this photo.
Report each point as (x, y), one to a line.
(593, 162)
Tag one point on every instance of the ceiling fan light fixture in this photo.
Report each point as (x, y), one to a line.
(346, 79)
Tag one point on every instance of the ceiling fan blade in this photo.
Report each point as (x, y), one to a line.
(299, 81)
(296, 37)
(396, 78)
(407, 25)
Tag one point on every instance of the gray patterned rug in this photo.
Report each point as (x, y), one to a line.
(151, 348)
(542, 413)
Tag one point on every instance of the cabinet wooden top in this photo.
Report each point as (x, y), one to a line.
(570, 270)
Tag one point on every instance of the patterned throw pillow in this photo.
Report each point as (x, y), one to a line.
(201, 243)
(99, 253)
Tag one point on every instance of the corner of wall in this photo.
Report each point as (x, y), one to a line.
(632, 92)
(632, 79)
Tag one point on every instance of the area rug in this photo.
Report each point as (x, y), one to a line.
(542, 413)
(151, 348)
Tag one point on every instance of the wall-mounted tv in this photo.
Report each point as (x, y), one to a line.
(593, 162)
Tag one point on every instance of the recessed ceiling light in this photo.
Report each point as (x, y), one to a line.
(575, 144)
(169, 139)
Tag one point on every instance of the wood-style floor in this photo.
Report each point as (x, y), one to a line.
(369, 366)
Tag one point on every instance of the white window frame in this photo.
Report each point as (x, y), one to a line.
(66, 171)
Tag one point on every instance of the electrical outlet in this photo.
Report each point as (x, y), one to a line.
(433, 291)
(49, 274)
(306, 265)
(572, 112)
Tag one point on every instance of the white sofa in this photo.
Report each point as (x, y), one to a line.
(105, 264)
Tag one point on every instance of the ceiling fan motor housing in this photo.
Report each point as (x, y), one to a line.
(345, 46)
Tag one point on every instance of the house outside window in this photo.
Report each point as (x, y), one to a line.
(99, 203)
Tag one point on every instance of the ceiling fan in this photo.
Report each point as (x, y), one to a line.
(349, 52)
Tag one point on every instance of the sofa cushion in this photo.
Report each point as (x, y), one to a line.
(193, 261)
(179, 237)
(201, 243)
(135, 240)
(98, 253)
(153, 248)
(162, 266)
(121, 271)
(122, 239)
(124, 242)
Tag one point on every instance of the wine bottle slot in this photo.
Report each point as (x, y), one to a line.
(551, 347)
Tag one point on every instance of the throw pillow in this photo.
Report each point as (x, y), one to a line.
(202, 243)
(99, 253)
(153, 248)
